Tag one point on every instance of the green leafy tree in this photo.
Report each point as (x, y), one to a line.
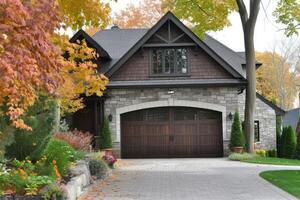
(41, 118)
(288, 142)
(237, 136)
(288, 13)
(105, 135)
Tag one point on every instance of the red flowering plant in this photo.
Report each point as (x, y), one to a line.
(110, 160)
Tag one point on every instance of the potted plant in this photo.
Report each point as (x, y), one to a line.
(105, 138)
(237, 140)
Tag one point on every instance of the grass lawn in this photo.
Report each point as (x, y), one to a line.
(273, 161)
(287, 180)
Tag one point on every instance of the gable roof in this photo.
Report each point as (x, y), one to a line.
(291, 118)
(279, 111)
(81, 34)
(234, 70)
(121, 44)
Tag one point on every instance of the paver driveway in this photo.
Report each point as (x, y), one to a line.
(211, 179)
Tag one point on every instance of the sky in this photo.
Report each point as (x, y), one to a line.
(267, 32)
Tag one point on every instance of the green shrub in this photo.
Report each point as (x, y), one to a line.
(6, 131)
(40, 117)
(105, 135)
(297, 150)
(98, 168)
(288, 142)
(272, 153)
(237, 138)
(62, 153)
(242, 156)
(261, 152)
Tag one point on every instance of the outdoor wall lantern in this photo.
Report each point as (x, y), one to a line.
(171, 91)
(230, 116)
(110, 117)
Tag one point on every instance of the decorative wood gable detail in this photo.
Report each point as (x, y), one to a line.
(167, 38)
(169, 35)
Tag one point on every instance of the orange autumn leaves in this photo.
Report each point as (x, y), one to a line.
(28, 60)
(31, 61)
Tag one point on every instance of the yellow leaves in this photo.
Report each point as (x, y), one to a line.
(84, 13)
(275, 80)
(203, 15)
(80, 77)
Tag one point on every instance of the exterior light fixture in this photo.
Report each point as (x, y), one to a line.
(110, 117)
(230, 116)
(171, 91)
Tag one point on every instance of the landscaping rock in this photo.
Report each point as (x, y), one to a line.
(82, 178)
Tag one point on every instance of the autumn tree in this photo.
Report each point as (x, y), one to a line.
(278, 77)
(29, 61)
(79, 72)
(143, 15)
(87, 13)
(79, 76)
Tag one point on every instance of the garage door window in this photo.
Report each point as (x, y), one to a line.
(185, 114)
(157, 115)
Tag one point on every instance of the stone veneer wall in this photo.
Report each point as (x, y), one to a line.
(119, 98)
(267, 122)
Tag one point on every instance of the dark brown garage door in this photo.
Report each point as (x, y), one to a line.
(171, 132)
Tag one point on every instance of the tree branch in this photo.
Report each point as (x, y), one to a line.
(254, 10)
(200, 8)
(243, 12)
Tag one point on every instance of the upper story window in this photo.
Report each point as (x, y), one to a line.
(169, 61)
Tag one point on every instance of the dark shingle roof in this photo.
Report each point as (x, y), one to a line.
(227, 54)
(291, 118)
(121, 43)
(117, 42)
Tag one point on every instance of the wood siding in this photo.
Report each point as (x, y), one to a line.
(200, 66)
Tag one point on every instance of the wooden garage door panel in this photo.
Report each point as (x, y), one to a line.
(171, 132)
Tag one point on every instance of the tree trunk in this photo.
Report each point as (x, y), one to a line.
(250, 91)
(57, 116)
(248, 23)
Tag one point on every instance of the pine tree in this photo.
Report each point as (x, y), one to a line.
(297, 151)
(288, 142)
(105, 135)
(237, 138)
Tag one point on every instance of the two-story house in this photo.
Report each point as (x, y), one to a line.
(171, 94)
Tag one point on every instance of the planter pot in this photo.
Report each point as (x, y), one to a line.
(108, 152)
(237, 149)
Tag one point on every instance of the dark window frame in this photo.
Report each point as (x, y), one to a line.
(256, 135)
(256, 123)
(163, 74)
